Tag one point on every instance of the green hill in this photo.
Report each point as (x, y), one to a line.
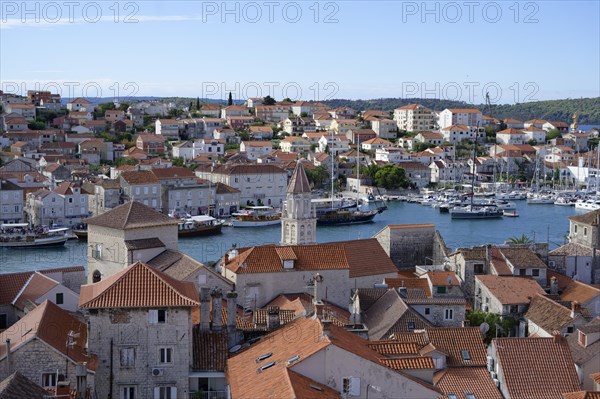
(552, 110)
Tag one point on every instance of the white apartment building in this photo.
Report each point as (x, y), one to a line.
(414, 117)
(460, 116)
(168, 127)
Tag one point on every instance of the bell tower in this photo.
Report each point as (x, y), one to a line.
(299, 219)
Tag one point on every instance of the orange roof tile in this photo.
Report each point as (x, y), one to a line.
(580, 292)
(409, 363)
(536, 367)
(37, 285)
(50, 324)
(463, 380)
(511, 290)
(138, 286)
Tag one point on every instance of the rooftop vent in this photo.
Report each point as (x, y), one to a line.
(263, 357)
(266, 366)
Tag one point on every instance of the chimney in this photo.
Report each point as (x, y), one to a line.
(217, 305)
(204, 308)
(317, 280)
(81, 374)
(273, 318)
(226, 259)
(488, 256)
(553, 285)
(575, 309)
(8, 357)
(231, 317)
(326, 324)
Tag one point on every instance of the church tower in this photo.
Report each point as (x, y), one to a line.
(299, 219)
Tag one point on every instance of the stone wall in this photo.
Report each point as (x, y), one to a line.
(113, 330)
(409, 245)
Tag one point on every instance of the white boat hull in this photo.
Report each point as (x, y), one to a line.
(37, 243)
(255, 223)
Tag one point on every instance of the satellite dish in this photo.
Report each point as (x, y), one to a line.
(235, 348)
(484, 327)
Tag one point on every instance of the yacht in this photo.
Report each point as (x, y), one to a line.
(201, 225)
(22, 235)
(256, 216)
(591, 204)
(475, 212)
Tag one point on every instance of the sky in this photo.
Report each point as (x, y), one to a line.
(515, 51)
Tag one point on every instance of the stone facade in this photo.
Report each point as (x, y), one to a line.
(299, 220)
(108, 253)
(135, 344)
(46, 360)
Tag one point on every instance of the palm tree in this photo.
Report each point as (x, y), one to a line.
(523, 239)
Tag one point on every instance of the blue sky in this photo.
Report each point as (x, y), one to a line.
(516, 51)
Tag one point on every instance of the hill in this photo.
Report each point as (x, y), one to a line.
(553, 110)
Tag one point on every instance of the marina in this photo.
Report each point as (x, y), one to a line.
(542, 223)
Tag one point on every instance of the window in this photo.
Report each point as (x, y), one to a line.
(165, 393)
(154, 189)
(157, 316)
(3, 321)
(411, 325)
(448, 314)
(137, 191)
(522, 272)
(165, 355)
(478, 268)
(441, 290)
(569, 329)
(60, 298)
(514, 308)
(535, 272)
(145, 190)
(585, 231)
(466, 355)
(48, 380)
(427, 310)
(127, 357)
(128, 393)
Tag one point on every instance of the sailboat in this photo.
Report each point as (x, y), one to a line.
(473, 211)
(536, 197)
(345, 216)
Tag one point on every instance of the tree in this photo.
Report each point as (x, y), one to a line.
(125, 161)
(303, 114)
(287, 100)
(523, 239)
(197, 103)
(499, 326)
(230, 99)
(532, 142)
(317, 176)
(552, 134)
(36, 125)
(418, 147)
(175, 112)
(391, 176)
(268, 100)
(178, 161)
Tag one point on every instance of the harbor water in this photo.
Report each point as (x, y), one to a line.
(544, 223)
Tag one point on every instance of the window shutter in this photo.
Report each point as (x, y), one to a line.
(153, 316)
(156, 392)
(173, 392)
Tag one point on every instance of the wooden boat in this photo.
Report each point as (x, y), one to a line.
(202, 225)
(80, 231)
(256, 216)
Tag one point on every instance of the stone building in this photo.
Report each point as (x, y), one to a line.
(140, 327)
(413, 244)
(46, 346)
(125, 234)
(299, 220)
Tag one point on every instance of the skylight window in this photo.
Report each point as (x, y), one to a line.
(316, 388)
(465, 355)
(266, 366)
(263, 357)
(293, 359)
(470, 396)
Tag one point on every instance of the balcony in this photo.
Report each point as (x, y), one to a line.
(208, 395)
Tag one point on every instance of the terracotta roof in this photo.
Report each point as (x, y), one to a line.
(580, 292)
(464, 110)
(37, 285)
(454, 340)
(547, 314)
(131, 215)
(180, 266)
(595, 377)
(209, 350)
(390, 314)
(414, 283)
(12, 283)
(225, 189)
(173, 172)
(584, 354)
(572, 249)
(522, 258)
(16, 386)
(144, 243)
(299, 182)
(306, 388)
(443, 278)
(581, 395)
(499, 263)
(409, 363)
(511, 131)
(50, 324)
(138, 286)
(462, 380)
(589, 218)
(361, 257)
(393, 348)
(536, 367)
(140, 177)
(511, 290)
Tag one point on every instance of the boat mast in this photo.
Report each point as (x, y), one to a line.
(331, 160)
